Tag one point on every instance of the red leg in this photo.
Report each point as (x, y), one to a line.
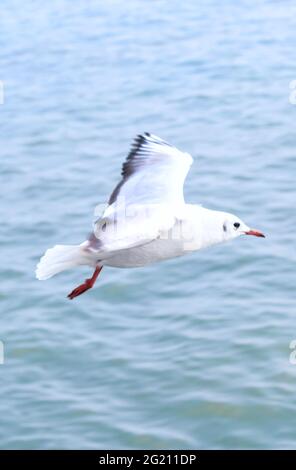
(88, 283)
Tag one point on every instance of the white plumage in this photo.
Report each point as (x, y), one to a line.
(147, 219)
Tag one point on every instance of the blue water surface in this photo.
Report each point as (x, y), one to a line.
(190, 353)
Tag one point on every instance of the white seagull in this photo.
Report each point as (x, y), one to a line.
(146, 219)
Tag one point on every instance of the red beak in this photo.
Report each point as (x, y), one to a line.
(256, 233)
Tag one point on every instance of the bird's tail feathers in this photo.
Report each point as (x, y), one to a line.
(60, 258)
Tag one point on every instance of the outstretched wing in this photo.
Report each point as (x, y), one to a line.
(154, 172)
(148, 198)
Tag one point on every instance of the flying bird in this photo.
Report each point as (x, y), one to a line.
(146, 219)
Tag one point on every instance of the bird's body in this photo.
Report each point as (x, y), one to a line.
(139, 256)
(147, 219)
(188, 233)
(175, 241)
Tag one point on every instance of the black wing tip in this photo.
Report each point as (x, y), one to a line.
(136, 145)
(141, 137)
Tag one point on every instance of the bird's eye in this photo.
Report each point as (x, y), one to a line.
(236, 225)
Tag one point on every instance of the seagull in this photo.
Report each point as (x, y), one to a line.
(146, 219)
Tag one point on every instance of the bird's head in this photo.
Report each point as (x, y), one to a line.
(233, 227)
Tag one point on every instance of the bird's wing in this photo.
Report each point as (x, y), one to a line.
(147, 200)
(153, 173)
(128, 227)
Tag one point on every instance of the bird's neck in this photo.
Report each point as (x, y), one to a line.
(205, 225)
